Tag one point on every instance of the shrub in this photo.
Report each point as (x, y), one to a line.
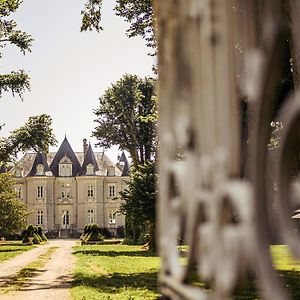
(120, 232)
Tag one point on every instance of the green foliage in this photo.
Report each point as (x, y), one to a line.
(139, 204)
(139, 14)
(127, 117)
(91, 16)
(17, 81)
(91, 233)
(36, 134)
(13, 212)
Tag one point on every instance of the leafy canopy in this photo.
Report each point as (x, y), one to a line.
(138, 13)
(35, 134)
(126, 117)
(13, 212)
(16, 81)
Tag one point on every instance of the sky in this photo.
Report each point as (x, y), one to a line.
(69, 70)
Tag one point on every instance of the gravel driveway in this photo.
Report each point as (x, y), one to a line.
(55, 279)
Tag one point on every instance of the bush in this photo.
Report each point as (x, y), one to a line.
(120, 232)
(105, 232)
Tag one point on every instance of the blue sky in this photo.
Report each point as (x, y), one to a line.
(69, 70)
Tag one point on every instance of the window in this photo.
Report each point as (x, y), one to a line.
(112, 217)
(40, 217)
(66, 217)
(40, 170)
(90, 191)
(65, 190)
(40, 191)
(112, 190)
(65, 167)
(90, 216)
(18, 172)
(18, 191)
(90, 169)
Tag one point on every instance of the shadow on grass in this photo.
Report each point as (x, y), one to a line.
(290, 279)
(9, 250)
(115, 253)
(117, 281)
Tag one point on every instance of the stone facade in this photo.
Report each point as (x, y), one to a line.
(65, 190)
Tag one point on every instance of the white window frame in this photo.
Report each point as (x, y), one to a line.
(40, 191)
(112, 220)
(66, 217)
(90, 216)
(40, 217)
(18, 190)
(90, 191)
(40, 170)
(90, 170)
(112, 190)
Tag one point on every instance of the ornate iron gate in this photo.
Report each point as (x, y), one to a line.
(212, 54)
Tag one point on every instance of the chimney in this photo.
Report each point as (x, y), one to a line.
(85, 146)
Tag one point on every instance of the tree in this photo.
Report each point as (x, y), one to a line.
(126, 117)
(13, 212)
(139, 205)
(35, 134)
(139, 14)
(17, 81)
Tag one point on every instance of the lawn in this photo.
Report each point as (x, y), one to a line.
(114, 272)
(10, 250)
(127, 272)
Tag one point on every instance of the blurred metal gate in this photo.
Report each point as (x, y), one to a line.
(217, 175)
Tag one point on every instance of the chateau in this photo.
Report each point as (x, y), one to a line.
(66, 190)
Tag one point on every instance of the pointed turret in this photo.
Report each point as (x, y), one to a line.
(65, 150)
(123, 164)
(89, 166)
(39, 166)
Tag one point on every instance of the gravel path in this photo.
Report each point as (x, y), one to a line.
(54, 280)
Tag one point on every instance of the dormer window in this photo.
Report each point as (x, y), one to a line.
(65, 167)
(40, 170)
(111, 171)
(18, 172)
(90, 169)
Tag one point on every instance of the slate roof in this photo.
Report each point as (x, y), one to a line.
(40, 159)
(99, 159)
(124, 164)
(89, 159)
(3, 169)
(65, 150)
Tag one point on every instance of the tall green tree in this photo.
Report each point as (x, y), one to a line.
(13, 212)
(17, 82)
(126, 117)
(36, 134)
(139, 205)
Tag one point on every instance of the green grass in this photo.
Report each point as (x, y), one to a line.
(116, 272)
(288, 269)
(10, 250)
(126, 272)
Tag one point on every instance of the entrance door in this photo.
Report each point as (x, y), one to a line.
(65, 219)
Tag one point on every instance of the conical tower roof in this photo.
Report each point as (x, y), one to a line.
(123, 162)
(40, 159)
(65, 150)
(89, 159)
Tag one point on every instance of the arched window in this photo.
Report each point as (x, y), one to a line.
(65, 167)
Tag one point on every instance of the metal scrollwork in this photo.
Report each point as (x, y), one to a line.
(223, 220)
